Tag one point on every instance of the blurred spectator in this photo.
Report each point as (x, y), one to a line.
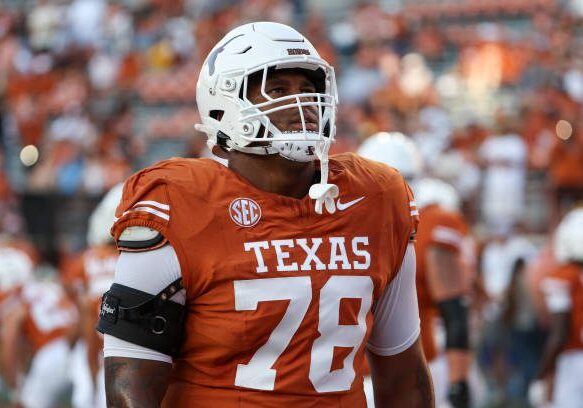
(573, 80)
(85, 22)
(45, 25)
(502, 265)
(499, 257)
(504, 160)
(118, 29)
(524, 337)
(566, 167)
(360, 80)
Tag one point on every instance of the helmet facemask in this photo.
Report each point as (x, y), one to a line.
(310, 140)
(312, 113)
(265, 124)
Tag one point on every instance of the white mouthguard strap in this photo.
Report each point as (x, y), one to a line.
(322, 192)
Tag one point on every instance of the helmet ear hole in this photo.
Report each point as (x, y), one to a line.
(217, 114)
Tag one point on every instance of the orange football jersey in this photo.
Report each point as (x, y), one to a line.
(445, 229)
(92, 272)
(279, 298)
(89, 276)
(572, 276)
(49, 313)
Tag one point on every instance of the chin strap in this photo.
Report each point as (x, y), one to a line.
(322, 192)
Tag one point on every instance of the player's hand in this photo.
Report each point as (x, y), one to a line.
(458, 394)
(538, 393)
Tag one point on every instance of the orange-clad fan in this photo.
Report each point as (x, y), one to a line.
(264, 282)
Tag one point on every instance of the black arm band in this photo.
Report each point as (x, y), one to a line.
(146, 244)
(152, 321)
(455, 316)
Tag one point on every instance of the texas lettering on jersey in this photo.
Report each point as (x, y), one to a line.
(281, 297)
(314, 254)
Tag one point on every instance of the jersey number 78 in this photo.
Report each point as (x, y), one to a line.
(258, 374)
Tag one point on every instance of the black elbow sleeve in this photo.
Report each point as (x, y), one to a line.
(152, 321)
(455, 316)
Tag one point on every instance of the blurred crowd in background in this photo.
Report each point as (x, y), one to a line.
(491, 92)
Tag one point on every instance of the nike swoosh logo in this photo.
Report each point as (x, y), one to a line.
(344, 206)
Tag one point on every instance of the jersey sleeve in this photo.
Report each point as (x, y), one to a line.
(413, 213)
(396, 314)
(448, 232)
(557, 288)
(402, 223)
(145, 203)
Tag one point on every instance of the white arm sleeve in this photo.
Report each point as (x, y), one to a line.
(396, 323)
(150, 272)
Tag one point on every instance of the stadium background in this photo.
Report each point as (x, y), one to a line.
(491, 90)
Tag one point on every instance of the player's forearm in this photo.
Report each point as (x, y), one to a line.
(414, 390)
(550, 353)
(135, 383)
(458, 364)
(558, 336)
(11, 353)
(402, 380)
(88, 334)
(7, 363)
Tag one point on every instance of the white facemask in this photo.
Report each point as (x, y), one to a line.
(301, 151)
(297, 151)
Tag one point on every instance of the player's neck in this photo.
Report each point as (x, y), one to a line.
(274, 173)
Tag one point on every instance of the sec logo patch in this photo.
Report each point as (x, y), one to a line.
(245, 212)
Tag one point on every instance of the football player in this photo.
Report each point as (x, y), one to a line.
(396, 150)
(442, 283)
(443, 286)
(266, 282)
(86, 279)
(563, 291)
(40, 320)
(15, 270)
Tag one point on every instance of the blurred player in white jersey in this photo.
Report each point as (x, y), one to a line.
(86, 279)
(15, 271)
(38, 322)
(563, 291)
(442, 282)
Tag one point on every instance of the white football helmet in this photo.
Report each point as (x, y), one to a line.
(568, 242)
(430, 191)
(396, 150)
(103, 217)
(232, 121)
(16, 268)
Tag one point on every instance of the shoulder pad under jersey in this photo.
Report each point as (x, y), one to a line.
(137, 238)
